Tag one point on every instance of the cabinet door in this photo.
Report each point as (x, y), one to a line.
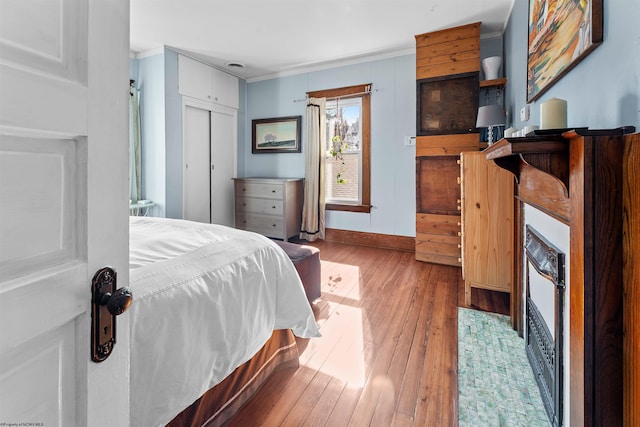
(194, 78)
(487, 224)
(225, 89)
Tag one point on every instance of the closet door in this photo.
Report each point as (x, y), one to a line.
(209, 141)
(196, 174)
(223, 164)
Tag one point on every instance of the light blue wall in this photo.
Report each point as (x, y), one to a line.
(150, 80)
(602, 91)
(173, 132)
(392, 118)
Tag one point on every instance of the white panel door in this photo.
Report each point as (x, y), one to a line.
(196, 168)
(223, 161)
(63, 207)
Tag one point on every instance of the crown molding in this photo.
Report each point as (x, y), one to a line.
(301, 69)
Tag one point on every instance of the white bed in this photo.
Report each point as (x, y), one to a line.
(206, 299)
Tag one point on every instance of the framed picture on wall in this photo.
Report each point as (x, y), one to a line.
(276, 135)
(561, 34)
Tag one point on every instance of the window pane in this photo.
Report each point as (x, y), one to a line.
(349, 169)
(344, 118)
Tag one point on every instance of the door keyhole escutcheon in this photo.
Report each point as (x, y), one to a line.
(106, 304)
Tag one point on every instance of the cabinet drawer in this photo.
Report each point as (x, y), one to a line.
(263, 224)
(258, 189)
(260, 206)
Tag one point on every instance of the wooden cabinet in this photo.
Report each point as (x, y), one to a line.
(487, 205)
(269, 206)
(447, 69)
(201, 81)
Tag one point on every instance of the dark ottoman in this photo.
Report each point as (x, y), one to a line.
(306, 259)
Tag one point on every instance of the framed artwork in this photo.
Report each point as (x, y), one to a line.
(561, 34)
(277, 135)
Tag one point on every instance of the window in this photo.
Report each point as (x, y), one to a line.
(347, 175)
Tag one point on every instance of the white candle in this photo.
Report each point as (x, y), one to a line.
(553, 114)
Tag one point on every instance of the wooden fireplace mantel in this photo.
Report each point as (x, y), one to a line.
(541, 168)
(585, 178)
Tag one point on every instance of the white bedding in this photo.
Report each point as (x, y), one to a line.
(205, 300)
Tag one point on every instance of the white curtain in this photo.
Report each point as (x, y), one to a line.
(135, 193)
(313, 207)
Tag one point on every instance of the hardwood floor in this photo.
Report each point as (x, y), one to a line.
(388, 351)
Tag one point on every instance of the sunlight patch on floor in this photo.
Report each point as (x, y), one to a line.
(339, 353)
(346, 357)
(341, 274)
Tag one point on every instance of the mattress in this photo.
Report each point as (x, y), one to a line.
(205, 299)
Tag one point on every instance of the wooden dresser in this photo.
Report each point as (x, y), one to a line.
(487, 224)
(269, 206)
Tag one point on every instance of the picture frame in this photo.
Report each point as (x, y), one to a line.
(558, 39)
(276, 135)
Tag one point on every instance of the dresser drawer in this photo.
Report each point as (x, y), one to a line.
(260, 206)
(263, 224)
(269, 206)
(259, 189)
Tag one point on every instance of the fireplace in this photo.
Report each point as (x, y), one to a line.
(582, 179)
(545, 275)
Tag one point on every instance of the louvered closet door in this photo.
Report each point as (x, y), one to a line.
(64, 71)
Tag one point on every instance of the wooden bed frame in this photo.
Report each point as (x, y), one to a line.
(219, 404)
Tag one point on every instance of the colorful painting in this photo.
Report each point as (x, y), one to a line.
(277, 135)
(561, 34)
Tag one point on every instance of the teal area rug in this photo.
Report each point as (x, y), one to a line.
(496, 386)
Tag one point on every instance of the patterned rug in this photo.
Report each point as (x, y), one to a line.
(495, 382)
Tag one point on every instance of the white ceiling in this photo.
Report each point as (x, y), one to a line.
(279, 37)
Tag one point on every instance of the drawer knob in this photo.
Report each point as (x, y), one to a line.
(273, 191)
(273, 225)
(273, 207)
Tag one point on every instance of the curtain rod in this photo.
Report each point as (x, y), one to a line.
(366, 92)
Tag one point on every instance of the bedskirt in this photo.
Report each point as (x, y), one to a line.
(220, 403)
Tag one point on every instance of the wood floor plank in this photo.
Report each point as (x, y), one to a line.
(388, 354)
(408, 399)
(435, 389)
(402, 360)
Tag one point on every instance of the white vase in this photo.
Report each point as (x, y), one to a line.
(491, 67)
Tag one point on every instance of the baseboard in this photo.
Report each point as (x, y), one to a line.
(385, 241)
